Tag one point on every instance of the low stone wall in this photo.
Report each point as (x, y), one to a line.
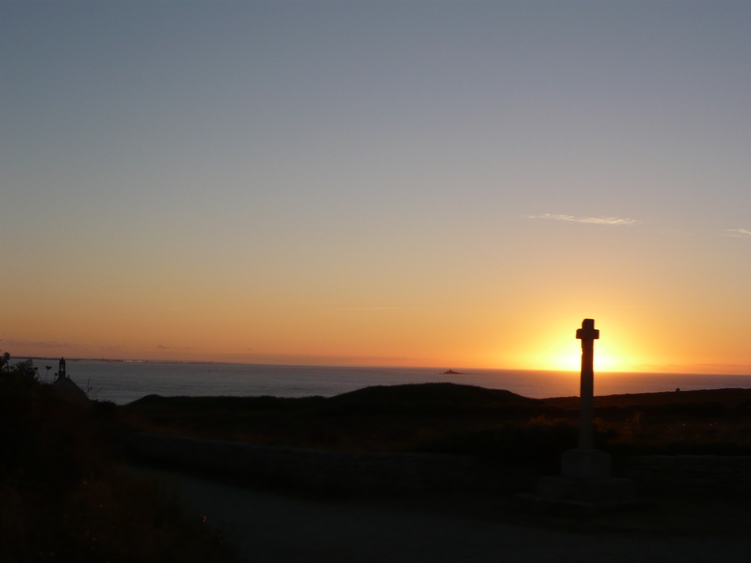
(316, 469)
(692, 473)
(337, 471)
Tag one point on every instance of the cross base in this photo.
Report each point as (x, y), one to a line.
(585, 487)
(585, 464)
(579, 508)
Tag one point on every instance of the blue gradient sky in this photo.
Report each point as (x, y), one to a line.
(377, 182)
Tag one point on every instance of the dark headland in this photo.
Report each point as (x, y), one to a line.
(463, 419)
(516, 439)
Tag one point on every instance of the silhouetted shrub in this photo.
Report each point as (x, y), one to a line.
(63, 498)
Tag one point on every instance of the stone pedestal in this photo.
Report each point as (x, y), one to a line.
(585, 464)
(585, 486)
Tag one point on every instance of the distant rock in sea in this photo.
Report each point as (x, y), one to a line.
(451, 372)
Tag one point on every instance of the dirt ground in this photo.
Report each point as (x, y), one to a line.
(263, 525)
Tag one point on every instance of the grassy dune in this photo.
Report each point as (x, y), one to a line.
(444, 417)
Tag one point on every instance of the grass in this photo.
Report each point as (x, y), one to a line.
(496, 426)
(520, 438)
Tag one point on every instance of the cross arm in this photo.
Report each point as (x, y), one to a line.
(588, 330)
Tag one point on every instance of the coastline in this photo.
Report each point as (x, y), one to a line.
(123, 382)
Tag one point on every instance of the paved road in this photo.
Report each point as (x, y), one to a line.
(273, 527)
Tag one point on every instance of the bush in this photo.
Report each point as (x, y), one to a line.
(63, 497)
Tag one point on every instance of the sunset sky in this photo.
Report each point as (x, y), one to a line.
(429, 183)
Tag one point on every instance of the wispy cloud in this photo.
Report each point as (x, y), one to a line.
(738, 233)
(591, 220)
(371, 308)
(163, 347)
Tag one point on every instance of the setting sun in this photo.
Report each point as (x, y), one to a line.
(570, 360)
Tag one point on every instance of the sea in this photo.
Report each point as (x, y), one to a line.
(123, 382)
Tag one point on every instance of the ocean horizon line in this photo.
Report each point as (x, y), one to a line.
(125, 381)
(657, 372)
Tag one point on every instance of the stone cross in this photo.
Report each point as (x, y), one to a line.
(587, 334)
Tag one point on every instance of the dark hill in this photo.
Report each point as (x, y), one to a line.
(436, 392)
(428, 397)
(381, 398)
(382, 418)
(158, 403)
(456, 418)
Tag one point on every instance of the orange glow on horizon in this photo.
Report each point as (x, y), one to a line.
(229, 327)
(568, 358)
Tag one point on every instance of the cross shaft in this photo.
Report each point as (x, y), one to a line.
(587, 334)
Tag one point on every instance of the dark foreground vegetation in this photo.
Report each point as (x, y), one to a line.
(495, 425)
(63, 497)
(65, 494)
